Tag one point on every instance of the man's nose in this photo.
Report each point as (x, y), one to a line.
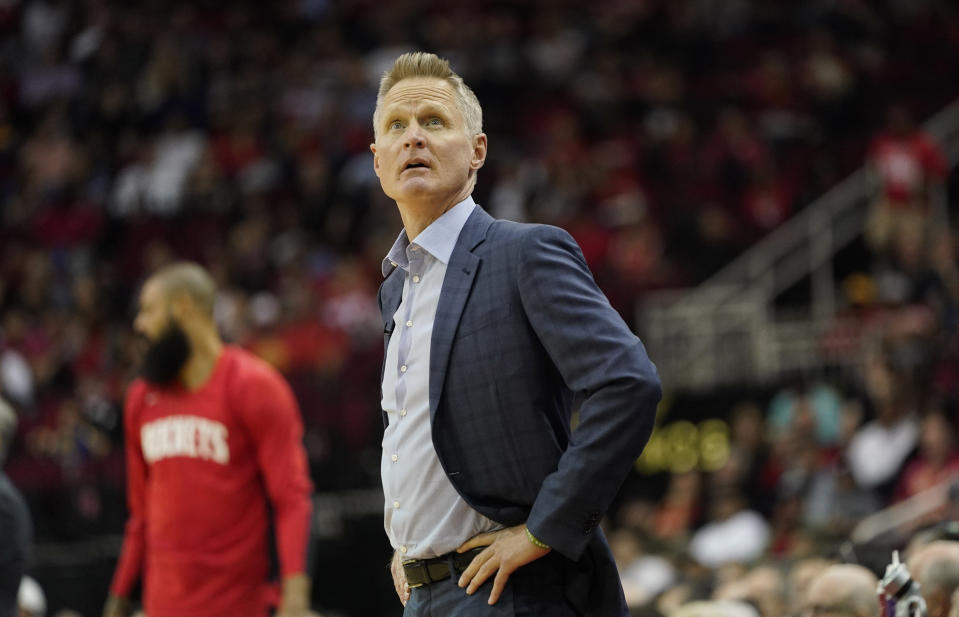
(414, 137)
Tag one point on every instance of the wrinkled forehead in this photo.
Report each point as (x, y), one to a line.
(416, 91)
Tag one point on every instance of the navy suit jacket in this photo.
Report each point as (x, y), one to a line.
(520, 328)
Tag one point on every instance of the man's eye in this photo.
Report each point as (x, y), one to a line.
(434, 122)
(395, 125)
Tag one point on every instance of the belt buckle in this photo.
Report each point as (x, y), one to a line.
(420, 565)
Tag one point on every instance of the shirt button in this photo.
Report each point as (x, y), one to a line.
(403, 549)
(402, 412)
(394, 458)
(403, 369)
(409, 324)
(396, 504)
(416, 279)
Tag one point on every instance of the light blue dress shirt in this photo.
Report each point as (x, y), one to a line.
(424, 515)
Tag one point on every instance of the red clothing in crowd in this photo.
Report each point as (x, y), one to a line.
(905, 164)
(201, 468)
(921, 474)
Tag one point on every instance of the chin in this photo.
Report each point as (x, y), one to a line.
(415, 188)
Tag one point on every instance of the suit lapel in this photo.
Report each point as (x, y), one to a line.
(391, 293)
(460, 274)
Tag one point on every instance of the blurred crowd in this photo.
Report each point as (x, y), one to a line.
(795, 505)
(666, 136)
(822, 473)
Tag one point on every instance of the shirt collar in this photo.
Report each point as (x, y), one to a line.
(438, 239)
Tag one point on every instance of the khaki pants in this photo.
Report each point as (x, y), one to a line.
(887, 221)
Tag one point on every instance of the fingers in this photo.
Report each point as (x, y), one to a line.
(489, 567)
(474, 567)
(481, 572)
(498, 584)
(483, 539)
(400, 584)
(509, 549)
(402, 591)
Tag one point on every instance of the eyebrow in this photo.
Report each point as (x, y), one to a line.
(424, 108)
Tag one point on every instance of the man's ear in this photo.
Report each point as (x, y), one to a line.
(181, 306)
(376, 160)
(479, 151)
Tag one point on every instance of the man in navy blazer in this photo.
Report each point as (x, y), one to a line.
(492, 328)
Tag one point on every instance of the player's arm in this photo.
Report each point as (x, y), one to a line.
(599, 357)
(130, 563)
(271, 414)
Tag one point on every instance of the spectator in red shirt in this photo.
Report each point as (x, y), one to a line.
(910, 168)
(213, 443)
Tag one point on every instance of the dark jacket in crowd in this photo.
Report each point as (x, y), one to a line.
(16, 534)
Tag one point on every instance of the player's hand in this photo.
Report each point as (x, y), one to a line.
(297, 612)
(506, 551)
(399, 578)
(117, 607)
(295, 600)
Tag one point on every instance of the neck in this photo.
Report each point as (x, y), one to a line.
(206, 350)
(414, 225)
(417, 217)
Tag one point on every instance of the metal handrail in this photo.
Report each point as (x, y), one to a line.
(801, 229)
(803, 246)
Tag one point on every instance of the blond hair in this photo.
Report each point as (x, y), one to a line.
(185, 277)
(421, 64)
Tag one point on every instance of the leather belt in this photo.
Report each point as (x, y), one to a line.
(421, 572)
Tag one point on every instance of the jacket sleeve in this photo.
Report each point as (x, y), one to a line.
(130, 564)
(269, 411)
(599, 358)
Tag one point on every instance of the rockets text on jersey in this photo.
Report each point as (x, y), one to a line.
(187, 436)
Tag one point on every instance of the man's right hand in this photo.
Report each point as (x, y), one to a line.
(399, 578)
(117, 607)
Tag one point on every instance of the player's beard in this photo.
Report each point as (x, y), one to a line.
(166, 356)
